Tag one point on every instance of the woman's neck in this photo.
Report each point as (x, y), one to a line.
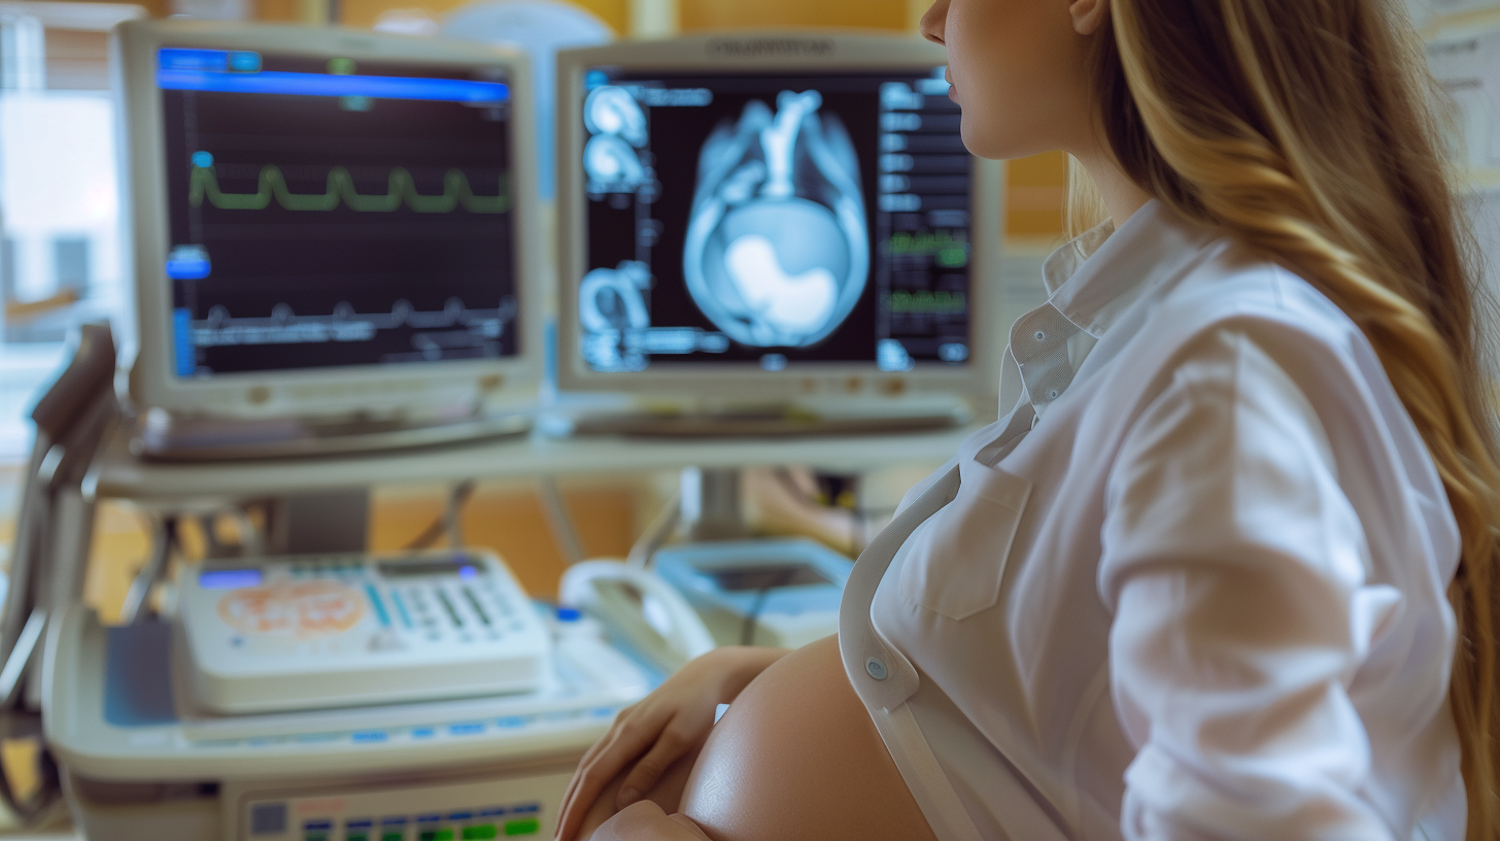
(1122, 196)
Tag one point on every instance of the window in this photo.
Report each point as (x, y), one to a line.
(62, 249)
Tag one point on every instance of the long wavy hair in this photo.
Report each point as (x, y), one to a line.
(1307, 129)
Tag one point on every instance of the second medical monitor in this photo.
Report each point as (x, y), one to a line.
(769, 216)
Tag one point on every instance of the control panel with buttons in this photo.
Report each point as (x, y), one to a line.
(313, 632)
(521, 808)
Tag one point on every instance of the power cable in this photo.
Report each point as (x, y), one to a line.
(448, 522)
(752, 619)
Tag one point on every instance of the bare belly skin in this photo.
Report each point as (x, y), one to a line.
(796, 758)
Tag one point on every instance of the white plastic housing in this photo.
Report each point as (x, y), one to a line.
(336, 631)
(795, 52)
(417, 389)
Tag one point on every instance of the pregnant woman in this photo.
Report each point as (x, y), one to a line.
(1226, 568)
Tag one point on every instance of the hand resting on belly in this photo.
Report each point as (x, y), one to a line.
(796, 757)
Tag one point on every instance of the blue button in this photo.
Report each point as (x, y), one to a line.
(876, 669)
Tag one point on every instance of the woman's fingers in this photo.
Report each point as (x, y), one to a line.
(670, 745)
(645, 821)
(593, 752)
(572, 789)
(583, 789)
(631, 734)
(687, 823)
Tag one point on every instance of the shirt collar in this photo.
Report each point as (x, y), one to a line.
(1097, 276)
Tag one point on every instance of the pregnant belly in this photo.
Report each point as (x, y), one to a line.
(796, 757)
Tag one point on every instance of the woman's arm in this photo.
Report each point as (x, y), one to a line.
(1236, 566)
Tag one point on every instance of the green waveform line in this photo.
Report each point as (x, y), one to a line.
(928, 303)
(401, 188)
(950, 251)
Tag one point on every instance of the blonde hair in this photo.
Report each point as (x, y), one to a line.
(1303, 128)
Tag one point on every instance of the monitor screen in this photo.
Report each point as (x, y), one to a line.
(329, 213)
(772, 219)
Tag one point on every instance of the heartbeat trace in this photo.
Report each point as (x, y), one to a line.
(401, 188)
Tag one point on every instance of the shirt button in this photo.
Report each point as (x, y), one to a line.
(876, 669)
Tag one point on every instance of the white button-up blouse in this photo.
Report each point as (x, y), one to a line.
(1191, 587)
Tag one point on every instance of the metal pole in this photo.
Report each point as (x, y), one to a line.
(654, 18)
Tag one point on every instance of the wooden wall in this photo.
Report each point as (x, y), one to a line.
(698, 15)
(1035, 185)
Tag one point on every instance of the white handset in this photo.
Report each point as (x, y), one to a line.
(646, 610)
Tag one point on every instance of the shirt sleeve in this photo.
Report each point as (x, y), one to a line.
(1235, 567)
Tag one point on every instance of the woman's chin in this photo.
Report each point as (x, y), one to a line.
(986, 141)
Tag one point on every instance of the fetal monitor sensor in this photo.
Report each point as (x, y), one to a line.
(781, 593)
(324, 631)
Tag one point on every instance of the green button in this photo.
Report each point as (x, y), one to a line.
(526, 827)
(393, 836)
(444, 835)
(359, 837)
(482, 831)
(429, 835)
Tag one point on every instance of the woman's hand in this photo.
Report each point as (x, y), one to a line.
(662, 728)
(646, 821)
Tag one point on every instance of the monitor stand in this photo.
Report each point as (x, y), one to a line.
(777, 419)
(161, 436)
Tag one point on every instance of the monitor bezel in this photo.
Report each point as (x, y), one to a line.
(382, 390)
(809, 51)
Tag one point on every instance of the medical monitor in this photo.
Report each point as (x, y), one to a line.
(773, 216)
(329, 221)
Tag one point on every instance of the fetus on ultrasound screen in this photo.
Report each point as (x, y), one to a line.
(777, 250)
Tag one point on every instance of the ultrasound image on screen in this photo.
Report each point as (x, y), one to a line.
(327, 213)
(772, 220)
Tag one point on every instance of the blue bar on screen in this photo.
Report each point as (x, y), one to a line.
(319, 84)
(182, 342)
(179, 59)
